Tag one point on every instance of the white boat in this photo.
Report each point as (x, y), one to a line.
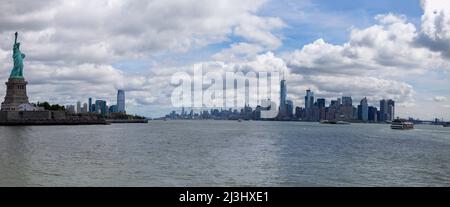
(401, 124)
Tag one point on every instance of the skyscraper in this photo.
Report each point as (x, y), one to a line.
(90, 105)
(85, 108)
(113, 109)
(346, 109)
(309, 103)
(283, 92)
(321, 108)
(391, 110)
(321, 102)
(387, 110)
(364, 109)
(121, 101)
(289, 108)
(78, 107)
(347, 101)
(101, 107)
(373, 114)
(70, 109)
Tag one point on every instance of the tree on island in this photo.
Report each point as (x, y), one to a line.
(54, 107)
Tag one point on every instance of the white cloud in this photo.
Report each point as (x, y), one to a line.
(107, 30)
(238, 51)
(440, 99)
(386, 49)
(436, 25)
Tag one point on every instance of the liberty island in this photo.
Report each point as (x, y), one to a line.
(16, 109)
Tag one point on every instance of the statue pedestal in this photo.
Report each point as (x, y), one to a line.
(16, 94)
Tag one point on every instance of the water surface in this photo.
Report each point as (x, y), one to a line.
(224, 153)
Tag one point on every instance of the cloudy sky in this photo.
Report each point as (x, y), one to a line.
(397, 49)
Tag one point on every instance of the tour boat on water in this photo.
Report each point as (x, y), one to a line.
(401, 124)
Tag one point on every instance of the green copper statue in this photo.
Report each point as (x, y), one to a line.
(17, 71)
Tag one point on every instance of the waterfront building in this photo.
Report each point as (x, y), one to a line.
(355, 113)
(257, 113)
(391, 110)
(373, 117)
(289, 108)
(70, 109)
(101, 107)
(246, 112)
(113, 109)
(387, 110)
(78, 107)
(121, 101)
(321, 108)
(346, 108)
(84, 109)
(309, 103)
(364, 110)
(332, 112)
(283, 93)
(90, 105)
(183, 112)
(347, 101)
(299, 112)
(321, 102)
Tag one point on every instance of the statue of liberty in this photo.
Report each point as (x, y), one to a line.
(17, 71)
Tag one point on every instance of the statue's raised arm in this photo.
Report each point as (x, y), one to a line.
(15, 39)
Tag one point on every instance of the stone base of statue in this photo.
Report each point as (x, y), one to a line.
(16, 94)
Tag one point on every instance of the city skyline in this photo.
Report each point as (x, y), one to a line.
(100, 106)
(314, 110)
(393, 50)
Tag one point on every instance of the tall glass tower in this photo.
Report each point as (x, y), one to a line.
(309, 103)
(364, 109)
(121, 101)
(90, 105)
(387, 110)
(282, 98)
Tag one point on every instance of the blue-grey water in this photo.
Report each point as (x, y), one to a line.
(224, 153)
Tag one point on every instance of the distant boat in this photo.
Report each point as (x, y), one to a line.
(327, 122)
(334, 122)
(239, 120)
(447, 124)
(401, 124)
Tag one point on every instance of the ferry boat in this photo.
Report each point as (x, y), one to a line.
(401, 124)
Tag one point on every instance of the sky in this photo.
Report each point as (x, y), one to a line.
(398, 49)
